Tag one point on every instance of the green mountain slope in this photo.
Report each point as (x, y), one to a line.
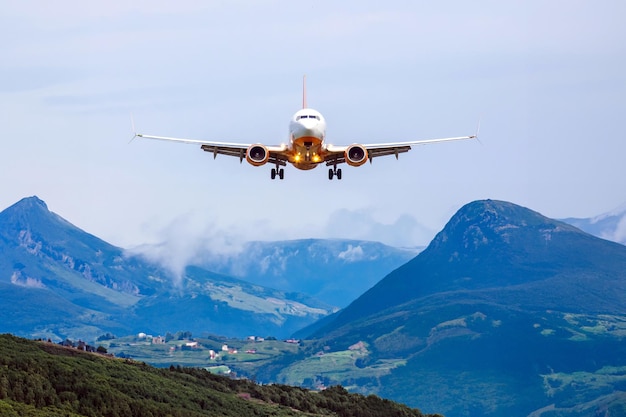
(336, 271)
(527, 257)
(507, 312)
(42, 379)
(59, 281)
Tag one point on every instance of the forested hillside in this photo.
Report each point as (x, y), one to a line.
(506, 313)
(45, 379)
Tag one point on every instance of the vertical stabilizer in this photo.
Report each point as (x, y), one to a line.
(304, 92)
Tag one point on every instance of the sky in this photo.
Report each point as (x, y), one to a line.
(547, 80)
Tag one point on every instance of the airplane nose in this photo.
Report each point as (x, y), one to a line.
(309, 123)
(308, 127)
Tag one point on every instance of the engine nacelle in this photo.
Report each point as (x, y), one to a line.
(257, 155)
(356, 155)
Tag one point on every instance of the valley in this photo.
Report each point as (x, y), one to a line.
(84, 287)
(506, 312)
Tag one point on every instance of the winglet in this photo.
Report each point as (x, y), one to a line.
(478, 130)
(132, 124)
(304, 92)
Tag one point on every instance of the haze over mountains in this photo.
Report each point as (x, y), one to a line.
(504, 313)
(58, 281)
(610, 225)
(335, 271)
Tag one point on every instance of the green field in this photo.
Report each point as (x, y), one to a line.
(248, 358)
(246, 355)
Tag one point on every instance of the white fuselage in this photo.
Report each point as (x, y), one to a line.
(307, 131)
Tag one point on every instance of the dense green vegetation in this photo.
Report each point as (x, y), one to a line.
(45, 379)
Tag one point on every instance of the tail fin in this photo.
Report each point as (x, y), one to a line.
(304, 92)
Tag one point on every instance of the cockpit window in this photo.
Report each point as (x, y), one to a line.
(308, 116)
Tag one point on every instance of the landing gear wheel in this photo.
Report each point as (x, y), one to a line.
(334, 171)
(274, 173)
(281, 173)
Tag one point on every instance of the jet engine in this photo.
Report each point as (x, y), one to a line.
(257, 155)
(356, 155)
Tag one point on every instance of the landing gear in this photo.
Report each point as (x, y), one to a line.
(334, 171)
(278, 171)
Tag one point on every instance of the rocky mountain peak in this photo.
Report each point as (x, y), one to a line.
(30, 203)
(31, 214)
(25, 208)
(486, 222)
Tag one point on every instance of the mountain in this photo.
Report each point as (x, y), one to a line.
(43, 379)
(335, 271)
(492, 244)
(506, 312)
(58, 281)
(610, 226)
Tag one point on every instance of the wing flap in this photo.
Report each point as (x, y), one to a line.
(338, 157)
(375, 152)
(276, 157)
(221, 150)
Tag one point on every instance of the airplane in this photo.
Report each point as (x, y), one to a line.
(307, 147)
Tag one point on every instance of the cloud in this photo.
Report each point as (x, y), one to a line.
(352, 254)
(619, 235)
(188, 240)
(404, 231)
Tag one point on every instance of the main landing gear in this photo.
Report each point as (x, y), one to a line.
(278, 171)
(334, 171)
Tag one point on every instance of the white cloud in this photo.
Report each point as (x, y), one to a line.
(352, 254)
(188, 240)
(619, 235)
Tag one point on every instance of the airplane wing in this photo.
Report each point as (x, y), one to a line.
(277, 153)
(374, 150)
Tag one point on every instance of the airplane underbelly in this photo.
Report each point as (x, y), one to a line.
(306, 152)
(305, 166)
